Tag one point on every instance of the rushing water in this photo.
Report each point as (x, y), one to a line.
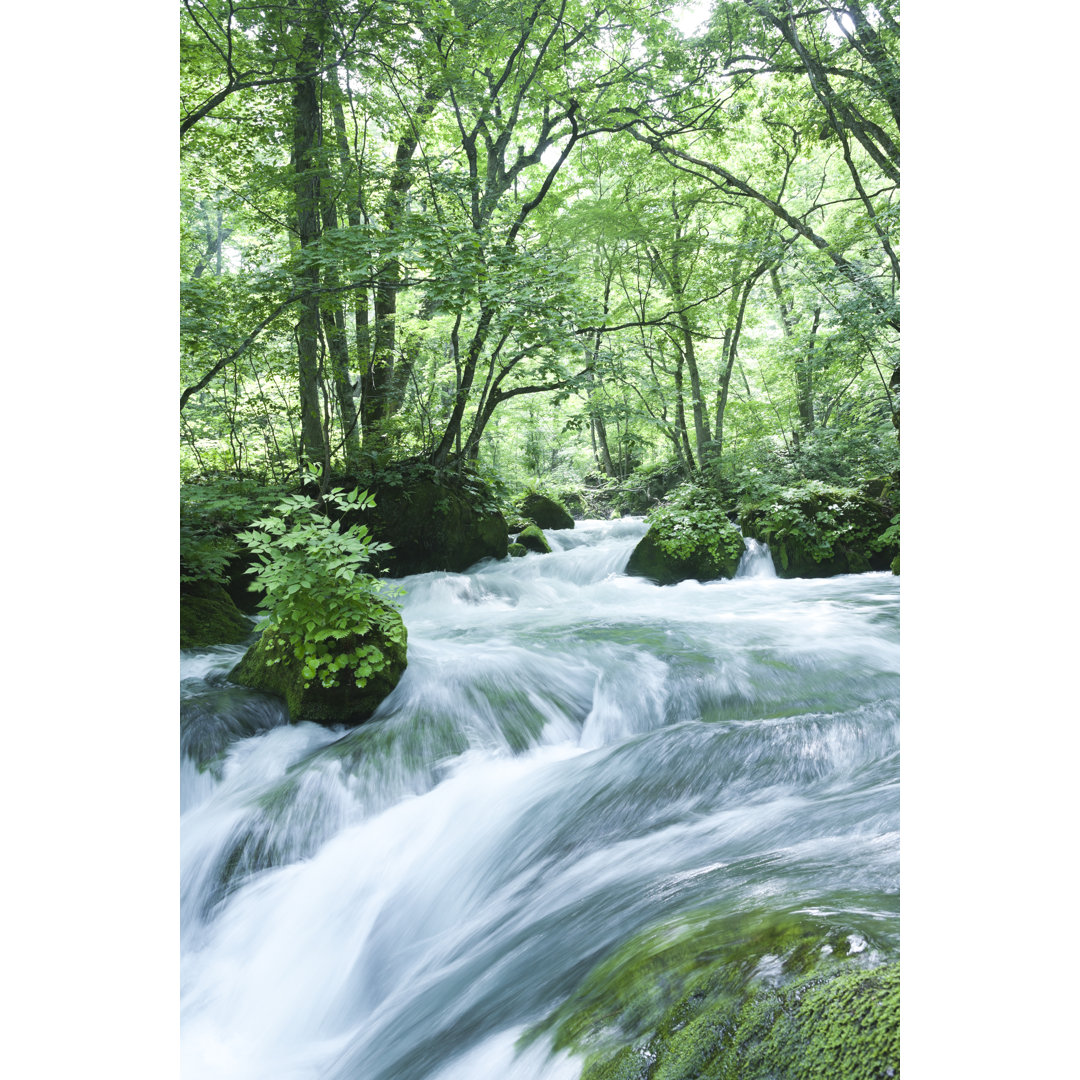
(572, 755)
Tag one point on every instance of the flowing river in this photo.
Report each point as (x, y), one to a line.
(572, 756)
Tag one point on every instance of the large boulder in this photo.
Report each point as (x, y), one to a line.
(275, 669)
(702, 562)
(208, 617)
(819, 530)
(545, 512)
(431, 525)
(533, 539)
(738, 997)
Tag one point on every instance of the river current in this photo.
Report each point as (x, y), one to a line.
(571, 757)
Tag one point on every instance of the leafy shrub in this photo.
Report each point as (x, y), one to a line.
(211, 512)
(318, 594)
(692, 523)
(819, 520)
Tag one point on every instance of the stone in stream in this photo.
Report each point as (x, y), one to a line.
(650, 560)
(534, 539)
(345, 703)
(545, 512)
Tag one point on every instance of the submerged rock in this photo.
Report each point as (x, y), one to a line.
(545, 512)
(516, 551)
(345, 703)
(534, 539)
(208, 616)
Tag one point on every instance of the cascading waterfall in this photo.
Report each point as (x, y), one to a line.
(571, 756)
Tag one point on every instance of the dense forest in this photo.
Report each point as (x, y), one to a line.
(497, 320)
(554, 244)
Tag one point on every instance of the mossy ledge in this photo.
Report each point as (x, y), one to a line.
(789, 997)
(345, 703)
(208, 617)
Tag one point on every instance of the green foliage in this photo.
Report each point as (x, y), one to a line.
(817, 517)
(211, 512)
(317, 591)
(691, 523)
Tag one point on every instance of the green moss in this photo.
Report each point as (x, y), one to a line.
(533, 538)
(689, 537)
(651, 559)
(895, 566)
(209, 617)
(273, 667)
(516, 551)
(815, 529)
(545, 512)
(735, 997)
(432, 523)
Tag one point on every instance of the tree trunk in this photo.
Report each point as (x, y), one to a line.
(354, 209)
(306, 133)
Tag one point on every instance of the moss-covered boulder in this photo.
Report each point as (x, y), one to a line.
(208, 617)
(517, 551)
(690, 537)
(274, 668)
(431, 523)
(895, 566)
(545, 512)
(815, 529)
(651, 560)
(744, 997)
(533, 539)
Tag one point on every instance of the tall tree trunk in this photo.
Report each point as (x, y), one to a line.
(597, 427)
(306, 139)
(354, 210)
(379, 381)
(333, 319)
(804, 379)
(680, 414)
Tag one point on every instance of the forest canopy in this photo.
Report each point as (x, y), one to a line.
(543, 240)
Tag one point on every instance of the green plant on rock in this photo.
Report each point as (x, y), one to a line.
(318, 594)
(818, 518)
(693, 523)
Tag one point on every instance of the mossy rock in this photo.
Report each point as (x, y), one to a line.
(819, 530)
(545, 512)
(735, 997)
(208, 617)
(650, 560)
(239, 581)
(534, 539)
(345, 703)
(895, 566)
(430, 525)
(517, 551)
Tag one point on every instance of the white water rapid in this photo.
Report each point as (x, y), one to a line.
(573, 755)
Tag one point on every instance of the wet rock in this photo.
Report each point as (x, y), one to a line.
(534, 539)
(545, 512)
(345, 703)
(208, 616)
